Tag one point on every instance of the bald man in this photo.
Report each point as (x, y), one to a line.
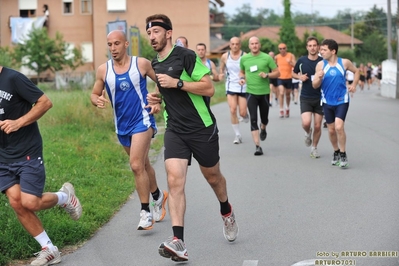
(255, 70)
(124, 79)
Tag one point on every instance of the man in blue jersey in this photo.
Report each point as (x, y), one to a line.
(310, 104)
(124, 78)
(331, 76)
(191, 131)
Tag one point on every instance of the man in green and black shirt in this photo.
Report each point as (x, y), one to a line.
(191, 130)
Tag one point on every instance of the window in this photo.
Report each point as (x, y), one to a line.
(27, 8)
(116, 5)
(67, 7)
(87, 52)
(85, 6)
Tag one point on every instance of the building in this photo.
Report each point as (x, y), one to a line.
(83, 23)
(272, 33)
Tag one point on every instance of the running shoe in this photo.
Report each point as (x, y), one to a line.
(287, 113)
(343, 162)
(336, 158)
(245, 119)
(230, 226)
(47, 257)
(281, 114)
(314, 153)
(174, 249)
(308, 138)
(72, 206)
(258, 151)
(237, 139)
(159, 207)
(262, 134)
(146, 221)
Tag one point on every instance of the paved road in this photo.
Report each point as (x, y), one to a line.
(291, 209)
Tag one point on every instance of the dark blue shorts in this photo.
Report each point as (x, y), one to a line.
(30, 175)
(331, 112)
(240, 94)
(203, 146)
(287, 83)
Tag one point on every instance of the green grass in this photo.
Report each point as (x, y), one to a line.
(80, 146)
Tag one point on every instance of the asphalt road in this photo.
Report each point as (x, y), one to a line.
(291, 209)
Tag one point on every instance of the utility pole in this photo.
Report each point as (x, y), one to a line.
(389, 30)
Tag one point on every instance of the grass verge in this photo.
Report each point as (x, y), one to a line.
(80, 146)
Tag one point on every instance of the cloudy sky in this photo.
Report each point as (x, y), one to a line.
(325, 8)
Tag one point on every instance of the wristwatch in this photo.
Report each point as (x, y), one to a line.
(180, 84)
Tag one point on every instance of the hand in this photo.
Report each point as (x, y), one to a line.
(263, 75)
(101, 101)
(303, 77)
(155, 108)
(166, 81)
(9, 126)
(154, 98)
(320, 74)
(221, 77)
(352, 88)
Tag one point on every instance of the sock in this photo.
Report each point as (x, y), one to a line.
(178, 232)
(62, 198)
(145, 206)
(236, 129)
(225, 207)
(337, 151)
(156, 194)
(44, 240)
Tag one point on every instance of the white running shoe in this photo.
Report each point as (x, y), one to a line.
(146, 221)
(72, 206)
(343, 162)
(245, 119)
(308, 138)
(237, 139)
(159, 207)
(174, 249)
(230, 227)
(314, 153)
(47, 257)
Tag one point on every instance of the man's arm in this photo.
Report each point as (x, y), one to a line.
(215, 75)
(42, 105)
(319, 75)
(203, 87)
(97, 96)
(222, 67)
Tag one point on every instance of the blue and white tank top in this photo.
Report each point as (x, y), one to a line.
(333, 87)
(232, 75)
(128, 95)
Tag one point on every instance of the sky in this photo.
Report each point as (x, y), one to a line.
(326, 8)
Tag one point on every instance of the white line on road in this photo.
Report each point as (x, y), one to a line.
(250, 263)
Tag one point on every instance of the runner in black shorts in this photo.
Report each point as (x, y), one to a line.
(310, 98)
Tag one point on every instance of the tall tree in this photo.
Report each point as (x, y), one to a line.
(287, 30)
(41, 53)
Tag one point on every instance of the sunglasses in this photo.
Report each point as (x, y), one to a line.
(282, 48)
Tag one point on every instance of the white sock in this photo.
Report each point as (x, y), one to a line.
(44, 241)
(62, 198)
(236, 129)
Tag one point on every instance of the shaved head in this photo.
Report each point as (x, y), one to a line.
(117, 34)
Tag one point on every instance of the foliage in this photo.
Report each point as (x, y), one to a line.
(373, 49)
(146, 48)
(7, 58)
(287, 30)
(41, 53)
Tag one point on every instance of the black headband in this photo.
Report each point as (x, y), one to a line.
(158, 23)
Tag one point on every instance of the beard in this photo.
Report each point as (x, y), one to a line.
(159, 46)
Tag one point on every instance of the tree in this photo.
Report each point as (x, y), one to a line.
(287, 30)
(41, 53)
(7, 58)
